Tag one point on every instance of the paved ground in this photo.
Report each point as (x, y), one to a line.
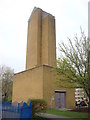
(0, 114)
(8, 114)
(55, 117)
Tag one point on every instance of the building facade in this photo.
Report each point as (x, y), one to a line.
(38, 81)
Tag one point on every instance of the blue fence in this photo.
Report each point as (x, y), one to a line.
(20, 111)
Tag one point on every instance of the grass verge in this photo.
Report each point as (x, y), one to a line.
(67, 113)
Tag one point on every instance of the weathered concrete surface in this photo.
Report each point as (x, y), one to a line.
(41, 39)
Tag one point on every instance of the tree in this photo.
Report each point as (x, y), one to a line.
(89, 74)
(74, 63)
(6, 77)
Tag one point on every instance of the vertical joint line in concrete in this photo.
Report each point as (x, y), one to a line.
(41, 40)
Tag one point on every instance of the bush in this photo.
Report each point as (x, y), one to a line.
(38, 105)
(9, 99)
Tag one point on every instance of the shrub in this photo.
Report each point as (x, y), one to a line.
(38, 105)
(9, 99)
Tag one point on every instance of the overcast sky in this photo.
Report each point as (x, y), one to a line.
(14, 15)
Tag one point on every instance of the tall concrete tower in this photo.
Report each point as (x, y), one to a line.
(38, 81)
(41, 39)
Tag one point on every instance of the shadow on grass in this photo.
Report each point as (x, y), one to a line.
(39, 118)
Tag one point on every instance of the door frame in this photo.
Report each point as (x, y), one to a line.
(61, 91)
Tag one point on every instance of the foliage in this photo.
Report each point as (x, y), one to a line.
(38, 105)
(74, 64)
(6, 77)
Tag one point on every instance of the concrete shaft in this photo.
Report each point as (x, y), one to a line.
(41, 40)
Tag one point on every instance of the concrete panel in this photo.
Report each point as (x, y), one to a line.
(48, 41)
(34, 40)
(28, 84)
(49, 84)
(52, 41)
(45, 47)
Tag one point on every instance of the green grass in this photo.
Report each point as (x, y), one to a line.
(67, 113)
